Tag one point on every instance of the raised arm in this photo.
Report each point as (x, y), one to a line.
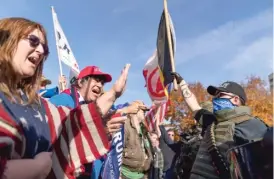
(105, 101)
(78, 135)
(189, 97)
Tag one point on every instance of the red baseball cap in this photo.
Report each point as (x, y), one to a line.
(95, 71)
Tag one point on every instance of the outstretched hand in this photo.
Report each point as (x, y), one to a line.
(114, 124)
(105, 101)
(120, 85)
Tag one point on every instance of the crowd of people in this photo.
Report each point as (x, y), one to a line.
(66, 133)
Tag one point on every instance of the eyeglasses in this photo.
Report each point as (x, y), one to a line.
(228, 96)
(221, 94)
(98, 79)
(34, 41)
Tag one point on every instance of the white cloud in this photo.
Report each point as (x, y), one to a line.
(258, 52)
(228, 37)
(232, 51)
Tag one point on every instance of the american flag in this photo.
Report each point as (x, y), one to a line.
(156, 111)
(77, 137)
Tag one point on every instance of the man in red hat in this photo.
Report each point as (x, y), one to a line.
(87, 88)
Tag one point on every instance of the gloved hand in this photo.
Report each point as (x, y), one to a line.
(177, 76)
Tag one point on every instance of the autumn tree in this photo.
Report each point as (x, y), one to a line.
(178, 109)
(259, 99)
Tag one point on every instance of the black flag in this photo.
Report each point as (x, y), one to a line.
(163, 51)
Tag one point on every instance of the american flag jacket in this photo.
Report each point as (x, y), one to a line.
(75, 136)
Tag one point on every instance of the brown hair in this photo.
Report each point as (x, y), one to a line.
(12, 30)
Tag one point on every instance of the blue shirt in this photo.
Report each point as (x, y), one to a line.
(62, 99)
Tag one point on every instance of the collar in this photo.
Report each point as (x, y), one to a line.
(81, 99)
(227, 114)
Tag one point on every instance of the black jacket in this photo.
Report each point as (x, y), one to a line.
(169, 149)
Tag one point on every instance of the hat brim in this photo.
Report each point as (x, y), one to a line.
(107, 77)
(213, 90)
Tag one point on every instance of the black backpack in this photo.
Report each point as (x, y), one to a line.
(190, 143)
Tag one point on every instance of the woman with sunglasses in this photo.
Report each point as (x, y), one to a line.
(37, 139)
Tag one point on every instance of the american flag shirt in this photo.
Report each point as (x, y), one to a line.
(74, 136)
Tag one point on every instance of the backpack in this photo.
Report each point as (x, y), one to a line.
(190, 143)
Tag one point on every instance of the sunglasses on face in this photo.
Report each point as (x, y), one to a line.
(34, 41)
(228, 96)
(98, 79)
(220, 95)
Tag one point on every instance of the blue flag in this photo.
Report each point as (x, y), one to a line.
(112, 164)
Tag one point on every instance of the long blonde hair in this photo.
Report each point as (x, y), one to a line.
(12, 30)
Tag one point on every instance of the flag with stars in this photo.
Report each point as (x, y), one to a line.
(65, 52)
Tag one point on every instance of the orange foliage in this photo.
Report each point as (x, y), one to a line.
(259, 99)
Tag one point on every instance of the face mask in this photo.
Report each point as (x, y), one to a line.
(222, 103)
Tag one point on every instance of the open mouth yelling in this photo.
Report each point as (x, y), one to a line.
(96, 91)
(33, 60)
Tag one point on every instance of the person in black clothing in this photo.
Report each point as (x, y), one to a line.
(170, 150)
(190, 143)
(230, 124)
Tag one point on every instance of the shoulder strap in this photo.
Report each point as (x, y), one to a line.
(218, 160)
(237, 119)
(241, 118)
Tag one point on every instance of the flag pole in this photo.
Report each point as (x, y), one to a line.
(170, 43)
(58, 52)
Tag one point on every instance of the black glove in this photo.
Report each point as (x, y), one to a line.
(177, 76)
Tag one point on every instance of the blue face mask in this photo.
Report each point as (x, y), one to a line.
(222, 103)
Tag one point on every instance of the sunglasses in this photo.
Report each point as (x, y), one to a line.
(98, 78)
(219, 95)
(34, 41)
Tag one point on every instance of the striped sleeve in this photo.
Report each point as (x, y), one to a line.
(78, 137)
(12, 140)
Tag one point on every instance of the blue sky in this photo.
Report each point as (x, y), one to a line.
(217, 40)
